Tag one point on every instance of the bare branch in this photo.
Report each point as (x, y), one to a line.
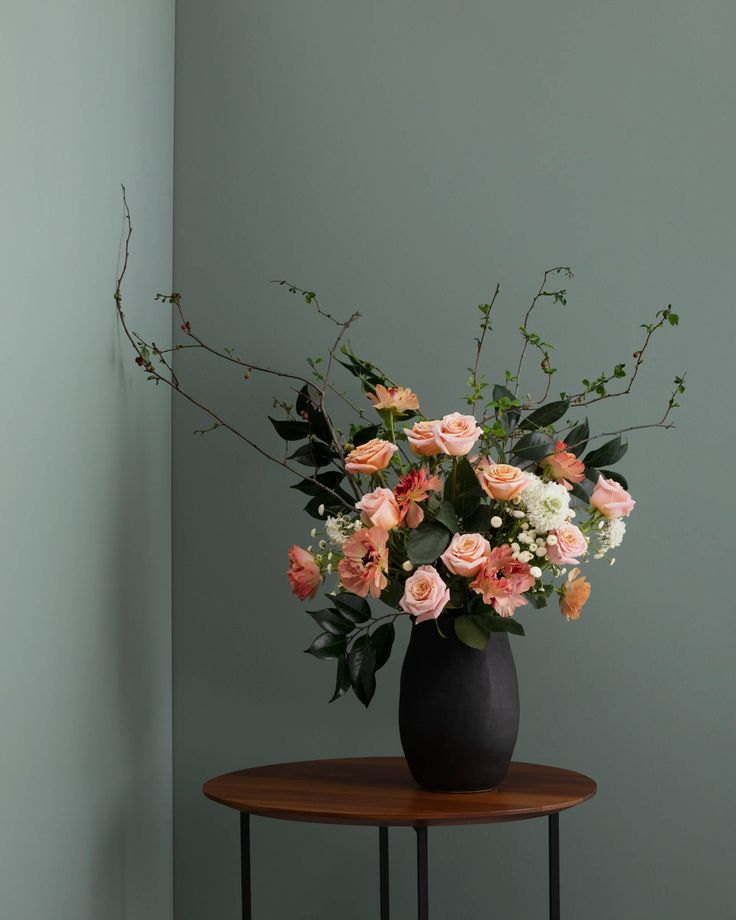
(540, 293)
(142, 350)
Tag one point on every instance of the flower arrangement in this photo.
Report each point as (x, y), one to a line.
(472, 515)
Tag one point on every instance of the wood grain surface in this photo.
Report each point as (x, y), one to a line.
(380, 791)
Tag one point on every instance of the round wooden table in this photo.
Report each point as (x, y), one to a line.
(379, 792)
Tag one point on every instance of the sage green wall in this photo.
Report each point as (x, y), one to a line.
(86, 102)
(401, 158)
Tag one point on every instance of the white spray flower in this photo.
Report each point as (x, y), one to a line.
(547, 504)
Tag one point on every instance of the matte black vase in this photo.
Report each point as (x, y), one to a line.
(458, 709)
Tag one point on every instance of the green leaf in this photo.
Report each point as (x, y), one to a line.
(507, 624)
(545, 415)
(290, 430)
(355, 608)
(327, 646)
(330, 503)
(426, 543)
(446, 515)
(536, 599)
(534, 446)
(313, 454)
(462, 488)
(617, 477)
(583, 490)
(509, 416)
(392, 593)
(308, 406)
(578, 438)
(328, 480)
(383, 640)
(479, 521)
(470, 632)
(331, 621)
(610, 452)
(363, 435)
(342, 679)
(362, 667)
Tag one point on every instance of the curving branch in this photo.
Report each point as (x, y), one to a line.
(144, 351)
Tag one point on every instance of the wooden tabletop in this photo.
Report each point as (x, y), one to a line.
(379, 791)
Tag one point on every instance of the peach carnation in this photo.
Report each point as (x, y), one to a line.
(365, 562)
(575, 593)
(370, 457)
(425, 594)
(421, 439)
(466, 554)
(500, 480)
(412, 489)
(456, 434)
(564, 466)
(502, 581)
(303, 573)
(571, 544)
(379, 508)
(611, 499)
(393, 399)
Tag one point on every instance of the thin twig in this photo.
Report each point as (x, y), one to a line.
(138, 345)
(540, 293)
(485, 326)
(651, 329)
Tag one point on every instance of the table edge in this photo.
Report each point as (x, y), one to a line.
(327, 816)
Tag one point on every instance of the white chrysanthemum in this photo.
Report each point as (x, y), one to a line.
(547, 504)
(339, 528)
(609, 536)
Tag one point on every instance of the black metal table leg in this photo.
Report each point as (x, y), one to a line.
(422, 874)
(245, 864)
(383, 859)
(554, 867)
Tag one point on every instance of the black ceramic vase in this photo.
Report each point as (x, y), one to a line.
(458, 709)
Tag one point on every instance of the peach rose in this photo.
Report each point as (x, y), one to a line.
(611, 499)
(425, 594)
(370, 457)
(501, 481)
(466, 554)
(564, 466)
(421, 439)
(456, 434)
(575, 593)
(303, 574)
(379, 508)
(570, 544)
(393, 399)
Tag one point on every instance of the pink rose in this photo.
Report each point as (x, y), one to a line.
(421, 439)
(501, 481)
(303, 574)
(425, 594)
(379, 508)
(570, 544)
(466, 554)
(456, 434)
(611, 499)
(370, 457)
